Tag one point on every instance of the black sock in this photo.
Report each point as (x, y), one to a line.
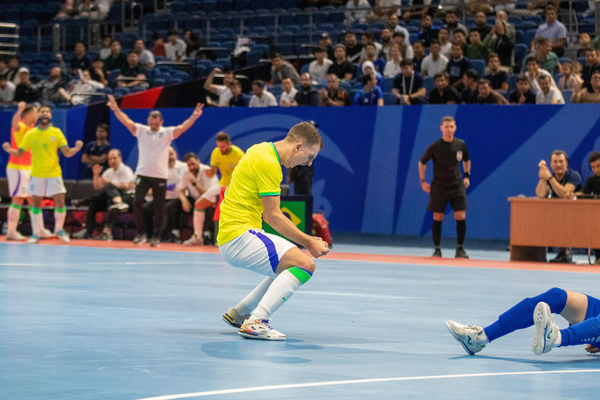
(461, 230)
(436, 231)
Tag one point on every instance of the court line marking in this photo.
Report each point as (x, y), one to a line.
(356, 381)
(110, 263)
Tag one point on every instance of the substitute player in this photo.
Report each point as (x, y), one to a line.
(152, 169)
(225, 158)
(581, 311)
(254, 190)
(448, 184)
(46, 175)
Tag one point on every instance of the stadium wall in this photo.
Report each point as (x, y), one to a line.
(366, 177)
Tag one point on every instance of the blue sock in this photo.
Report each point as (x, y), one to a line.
(586, 332)
(521, 315)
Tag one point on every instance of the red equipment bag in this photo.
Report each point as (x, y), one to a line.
(321, 228)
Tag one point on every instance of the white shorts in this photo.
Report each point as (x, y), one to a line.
(257, 251)
(46, 187)
(18, 179)
(212, 194)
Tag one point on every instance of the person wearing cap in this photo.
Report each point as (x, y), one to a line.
(325, 43)
(319, 67)
(25, 90)
(7, 90)
(282, 69)
(341, 67)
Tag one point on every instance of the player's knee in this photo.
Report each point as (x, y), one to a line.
(307, 264)
(556, 293)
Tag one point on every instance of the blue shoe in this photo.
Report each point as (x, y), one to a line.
(33, 239)
(63, 236)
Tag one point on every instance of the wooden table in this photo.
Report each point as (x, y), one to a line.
(537, 223)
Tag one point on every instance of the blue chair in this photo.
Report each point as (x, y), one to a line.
(253, 57)
(479, 66)
(112, 76)
(272, 4)
(389, 99)
(567, 93)
(388, 84)
(321, 18)
(428, 83)
(528, 37)
(514, 20)
(536, 19)
(137, 89)
(520, 53)
(224, 5)
(177, 7)
(527, 25)
(512, 82)
(304, 68)
(120, 91)
(209, 6)
(337, 17)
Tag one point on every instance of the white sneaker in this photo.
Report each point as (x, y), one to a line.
(63, 236)
(16, 236)
(547, 334)
(194, 241)
(46, 234)
(467, 335)
(33, 239)
(233, 318)
(119, 206)
(260, 330)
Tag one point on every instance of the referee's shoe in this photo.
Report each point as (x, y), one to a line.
(460, 253)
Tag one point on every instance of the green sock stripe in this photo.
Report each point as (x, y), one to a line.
(36, 210)
(301, 274)
(60, 210)
(16, 206)
(195, 209)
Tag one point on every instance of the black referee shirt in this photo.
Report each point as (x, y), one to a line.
(446, 161)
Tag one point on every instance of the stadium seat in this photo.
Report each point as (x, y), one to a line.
(528, 37)
(512, 82)
(257, 4)
(177, 6)
(272, 4)
(287, 4)
(304, 68)
(567, 93)
(192, 6)
(563, 60)
(428, 83)
(527, 25)
(120, 91)
(479, 66)
(253, 57)
(337, 17)
(388, 84)
(514, 21)
(241, 5)
(321, 18)
(389, 99)
(520, 53)
(209, 6)
(536, 19)
(224, 5)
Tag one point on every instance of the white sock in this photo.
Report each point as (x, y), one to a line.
(198, 222)
(14, 212)
(59, 218)
(250, 302)
(282, 288)
(483, 339)
(37, 220)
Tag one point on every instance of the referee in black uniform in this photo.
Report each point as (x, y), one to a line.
(448, 184)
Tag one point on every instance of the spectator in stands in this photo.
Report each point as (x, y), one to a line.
(238, 99)
(96, 151)
(427, 33)
(586, 95)
(260, 96)
(371, 56)
(13, 70)
(3, 67)
(546, 58)
(470, 81)
(592, 63)
(88, 9)
(282, 69)
(333, 96)
(445, 44)
(365, 39)
(132, 70)
(341, 67)
(442, 93)
(453, 25)
(116, 60)
(457, 65)
(394, 27)
(175, 47)
(392, 67)
(97, 71)
(417, 9)
(357, 12)
(105, 50)
(481, 25)
(533, 72)
(558, 185)
(25, 90)
(353, 48)
(585, 42)
(368, 68)
(220, 90)
(288, 94)
(461, 39)
(553, 30)
(145, 57)
(548, 94)
(387, 42)
(159, 45)
(53, 88)
(319, 67)
(7, 90)
(307, 95)
(500, 43)
(475, 50)
(406, 50)
(419, 56)
(385, 8)
(569, 80)
(79, 90)
(117, 186)
(487, 95)
(408, 87)
(371, 94)
(192, 41)
(497, 77)
(434, 63)
(325, 43)
(522, 94)
(510, 30)
(81, 60)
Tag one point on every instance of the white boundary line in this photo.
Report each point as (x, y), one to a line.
(350, 382)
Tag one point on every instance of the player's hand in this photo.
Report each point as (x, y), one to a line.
(467, 182)
(21, 106)
(542, 164)
(317, 247)
(186, 206)
(426, 187)
(591, 349)
(569, 195)
(78, 145)
(97, 169)
(6, 146)
(216, 70)
(545, 173)
(198, 111)
(112, 103)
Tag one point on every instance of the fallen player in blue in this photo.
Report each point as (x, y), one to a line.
(581, 311)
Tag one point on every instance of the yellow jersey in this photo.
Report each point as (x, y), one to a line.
(44, 147)
(258, 174)
(226, 162)
(16, 137)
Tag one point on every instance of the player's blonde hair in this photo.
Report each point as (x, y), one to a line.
(306, 133)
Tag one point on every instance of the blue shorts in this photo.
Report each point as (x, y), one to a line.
(593, 308)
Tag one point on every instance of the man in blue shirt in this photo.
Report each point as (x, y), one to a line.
(428, 33)
(457, 65)
(371, 94)
(408, 86)
(238, 99)
(81, 60)
(553, 30)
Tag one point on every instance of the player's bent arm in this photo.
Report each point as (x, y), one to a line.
(542, 189)
(274, 217)
(99, 182)
(13, 152)
(121, 116)
(71, 151)
(187, 124)
(419, 93)
(561, 190)
(17, 117)
(181, 195)
(211, 172)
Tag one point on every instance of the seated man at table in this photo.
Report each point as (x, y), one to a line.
(558, 185)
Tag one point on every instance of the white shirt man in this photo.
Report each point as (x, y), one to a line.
(533, 80)
(145, 58)
(357, 11)
(7, 93)
(288, 97)
(174, 180)
(318, 68)
(175, 52)
(430, 67)
(153, 151)
(265, 100)
(123, 174)
(201, 180)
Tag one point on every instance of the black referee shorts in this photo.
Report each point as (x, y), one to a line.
(441, 195)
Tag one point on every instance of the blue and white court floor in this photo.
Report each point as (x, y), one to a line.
(105, 323)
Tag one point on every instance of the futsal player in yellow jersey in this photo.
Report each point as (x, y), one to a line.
(46, 175)
(224, 157)
(254, 190)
